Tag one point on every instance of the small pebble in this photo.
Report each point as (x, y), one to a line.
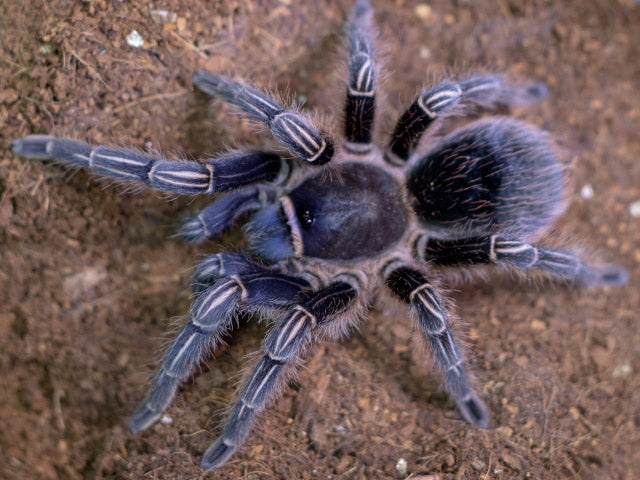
(587, 192)
(424, 53)
(622, 370)
(134, 39)
(163, 16)
(634, 209)
(339, 429)
(538, 325)
(423, 11)
(402, 466)
(166, 420)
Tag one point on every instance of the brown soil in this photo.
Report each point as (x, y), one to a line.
(89, 275)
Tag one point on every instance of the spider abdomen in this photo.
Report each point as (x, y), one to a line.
(497, 176)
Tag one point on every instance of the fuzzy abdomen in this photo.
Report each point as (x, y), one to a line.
(487, 178)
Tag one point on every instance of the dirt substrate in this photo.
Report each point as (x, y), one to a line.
(89, 276)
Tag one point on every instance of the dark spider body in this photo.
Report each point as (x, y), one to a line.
(356, 213)
(327, 239)
(489, 177)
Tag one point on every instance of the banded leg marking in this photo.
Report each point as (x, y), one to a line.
(224, 212)
(494, 249)
(360, 102)
(224, 264)
(224, 173)
(281, 348)
(418, 117)
(412, 287)
(479, 92)
(293, 130)
(210, 317)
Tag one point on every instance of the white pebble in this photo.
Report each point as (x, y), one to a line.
(634, 209)
(423, 11)
(166, 420)
(163, 16)
(402, 466)
(134, 39)
(587, 192)
(339, 429)
(622, 370)
(424, 52)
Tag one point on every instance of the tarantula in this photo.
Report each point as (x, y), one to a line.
(326, 239)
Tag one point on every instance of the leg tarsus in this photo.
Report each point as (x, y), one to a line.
(148, 413)
(217, 454)
(474, 411)
(489, 92)
(605, 275)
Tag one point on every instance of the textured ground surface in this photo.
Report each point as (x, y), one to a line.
(89, 276)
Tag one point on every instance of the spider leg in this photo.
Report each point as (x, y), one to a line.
(294, 130)
(454, 98)
(226, 172)
(414, 288)
(225, 211)
(220, 265)
(210, 318)
(361, 102)
(499, 250)
(282, 348)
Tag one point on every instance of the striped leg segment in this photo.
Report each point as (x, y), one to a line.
(226, 172)
(220, 265)
(494, 249)
(418, 117)
(361, 102)
(293, 130)
(224, 212)
(210, 317)
(450, 98)
(281, 349)
(413, 287)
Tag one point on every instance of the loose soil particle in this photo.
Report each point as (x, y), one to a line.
(90, 279)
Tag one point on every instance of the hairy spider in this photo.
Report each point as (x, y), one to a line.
(326, 239)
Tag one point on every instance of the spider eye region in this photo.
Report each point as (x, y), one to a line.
(307, 218)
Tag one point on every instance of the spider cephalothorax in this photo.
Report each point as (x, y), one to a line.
(340, 221)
